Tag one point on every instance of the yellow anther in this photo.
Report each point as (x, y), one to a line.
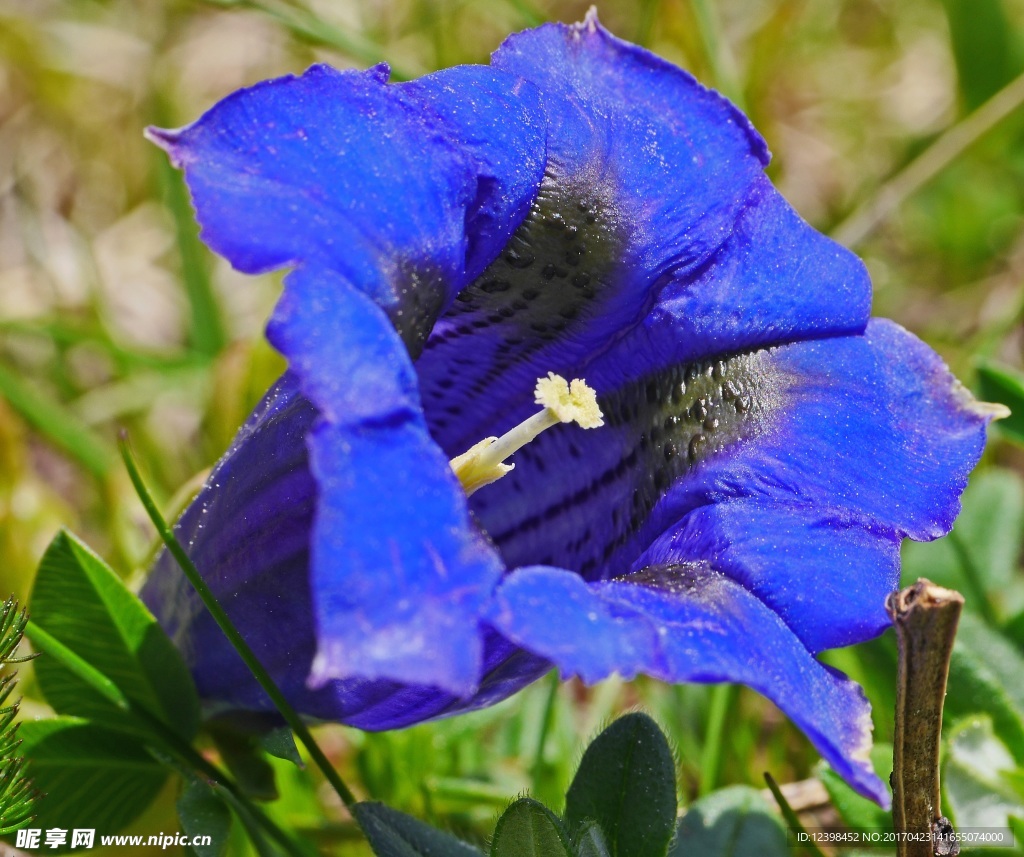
(484, 463)
(575, 403)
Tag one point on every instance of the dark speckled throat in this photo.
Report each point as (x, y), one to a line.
(552, 277)
(558, 271)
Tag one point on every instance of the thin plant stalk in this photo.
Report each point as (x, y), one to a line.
(547, 721)
(925, 617)
(269, 686)
(807, 844)
(722, 696)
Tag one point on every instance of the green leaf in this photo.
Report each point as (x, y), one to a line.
(1017, 826)
(732, 822)
(590, 841)
(394, 834)
(242, 754)
(984, 675)
(83, 604)
(530, 829)
(90, 777)
(626, 783)
(203, 813)
(280, 743)
(1006, 386)
(857, 811)
(974, 779)
(984, 48)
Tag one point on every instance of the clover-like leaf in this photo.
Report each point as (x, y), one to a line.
(80, 602)
(529, 829)
(203, 813)
(89, 776)
(394, 834)
(626, 783)
(731, 822)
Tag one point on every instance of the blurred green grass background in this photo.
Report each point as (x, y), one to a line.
(112, 314)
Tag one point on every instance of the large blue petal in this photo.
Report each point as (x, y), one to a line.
(399, 574)
(689, 623)
(872, 428)
(775, 280)
(367, 541)
(827, 578)
(326, 170)
(647, 174)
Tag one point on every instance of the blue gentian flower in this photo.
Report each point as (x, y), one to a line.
(582, 207)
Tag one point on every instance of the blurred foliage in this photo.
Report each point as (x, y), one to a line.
(112, 315)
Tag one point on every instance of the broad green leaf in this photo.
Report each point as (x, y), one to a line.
(984, 48)
(857, 811)
(394, 834)
(1006, 386)
(978, 793)
(83, 604)
(280, 743)
(731, 822)
(90, 777)
(590, 841)
(529, 829)
(203, 813)
(985, 675)
(626, 782)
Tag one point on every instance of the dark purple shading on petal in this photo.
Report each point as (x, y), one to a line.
(387, 198)
(775, 280)
(248, 532)
(873, 429)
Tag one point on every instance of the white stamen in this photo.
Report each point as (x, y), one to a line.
(484, 463)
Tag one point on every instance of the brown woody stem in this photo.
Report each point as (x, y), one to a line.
(925, 616)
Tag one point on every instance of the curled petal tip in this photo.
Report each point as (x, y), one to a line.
(590, 21)
(168, 139)
(163, 137)
(989, 411)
